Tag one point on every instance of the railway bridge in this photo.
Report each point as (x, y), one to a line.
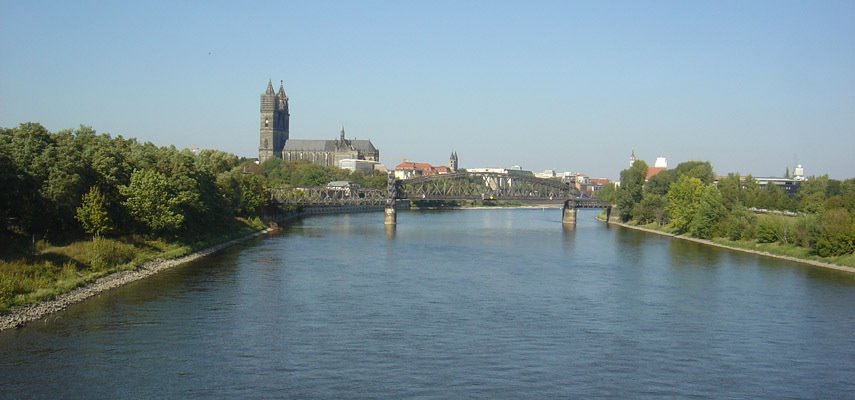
(447, 187)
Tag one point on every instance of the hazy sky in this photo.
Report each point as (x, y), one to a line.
(751, 86)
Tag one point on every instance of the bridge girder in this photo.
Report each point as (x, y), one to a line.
(321, 196)
(479, 186)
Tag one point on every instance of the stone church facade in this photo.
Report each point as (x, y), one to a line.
(275, 138)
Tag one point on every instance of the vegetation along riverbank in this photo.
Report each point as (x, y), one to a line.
(78, 207)
(816, 224)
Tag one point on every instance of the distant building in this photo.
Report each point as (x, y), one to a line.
(653, 171)
(505, 171)
(275, 141)
(364, 166)
(546, 174)
(409, 169)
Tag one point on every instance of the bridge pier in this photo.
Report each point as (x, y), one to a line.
(390, 215)
(568, 213)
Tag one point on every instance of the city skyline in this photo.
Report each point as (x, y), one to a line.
(753, 88)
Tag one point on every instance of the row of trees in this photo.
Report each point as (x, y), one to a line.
(67, 182)
(688, 200)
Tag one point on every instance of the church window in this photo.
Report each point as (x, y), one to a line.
(265, 143)
(266, 123)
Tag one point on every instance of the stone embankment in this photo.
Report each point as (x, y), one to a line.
(762, 253)
(19, 316)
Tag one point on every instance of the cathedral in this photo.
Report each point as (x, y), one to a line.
(275, 137)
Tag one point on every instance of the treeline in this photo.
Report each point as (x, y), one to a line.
(819, 217)
(74, 181)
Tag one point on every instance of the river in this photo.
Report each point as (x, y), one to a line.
(452, 304)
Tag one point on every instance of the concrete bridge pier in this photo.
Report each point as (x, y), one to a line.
(390, 215)
(568, 213)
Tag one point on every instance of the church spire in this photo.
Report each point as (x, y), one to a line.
(269, 90)
(281, 93)
(342, 133)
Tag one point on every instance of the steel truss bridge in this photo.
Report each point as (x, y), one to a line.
(446, 187)
(325, 196)
(483, 186)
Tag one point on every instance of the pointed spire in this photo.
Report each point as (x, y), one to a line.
(281, 93)
(269, 90)
(342, 133)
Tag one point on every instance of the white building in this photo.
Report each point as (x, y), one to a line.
(364, 166)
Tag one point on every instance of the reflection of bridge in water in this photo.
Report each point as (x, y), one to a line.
(466, 186)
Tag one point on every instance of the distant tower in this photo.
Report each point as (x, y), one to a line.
(799, 173)
(452, 161)
(632, 158)
(274, 122)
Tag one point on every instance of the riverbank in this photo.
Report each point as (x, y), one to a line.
(815, 263)
(21, 315)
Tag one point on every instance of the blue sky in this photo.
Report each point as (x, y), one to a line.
(751, 86)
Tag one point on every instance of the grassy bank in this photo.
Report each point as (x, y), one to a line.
(788, 251)
(57, 269)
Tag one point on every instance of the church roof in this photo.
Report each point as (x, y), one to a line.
(309, 145)
(326, 145)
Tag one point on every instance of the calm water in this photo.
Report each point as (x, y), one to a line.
(458, 304)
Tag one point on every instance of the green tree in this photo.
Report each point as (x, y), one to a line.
(696, 169)
(836, 234)
(730, 188)
(709, 212)
(651, 208)
(151, 201)
(738, 224)
(659, 183)
(606, 193)
(683, 201)
(245, 193)
(631, 185)
(812, 194)
(92, 213)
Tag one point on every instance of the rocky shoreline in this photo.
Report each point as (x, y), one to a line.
(762, 253)
(20, 316)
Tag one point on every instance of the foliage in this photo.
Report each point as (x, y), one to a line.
(836, 234)
(606, 193)
(650, 209)
(92, 213)
(683, 202)
(709, 212)
(631, 185)
(152, 201)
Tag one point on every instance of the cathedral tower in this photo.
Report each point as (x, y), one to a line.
(452, 162)
(274, 122)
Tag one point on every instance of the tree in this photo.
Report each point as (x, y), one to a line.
(836, 235)
(730, 188)
(92, 213)
(683, 201)
(708, 214)
(696, 169)
(244, 193)
(650, 209)
(631, 186)
(606, 193)
(811, 194)
(151, 201)
(659, 183)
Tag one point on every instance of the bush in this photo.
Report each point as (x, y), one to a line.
(106, 253)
